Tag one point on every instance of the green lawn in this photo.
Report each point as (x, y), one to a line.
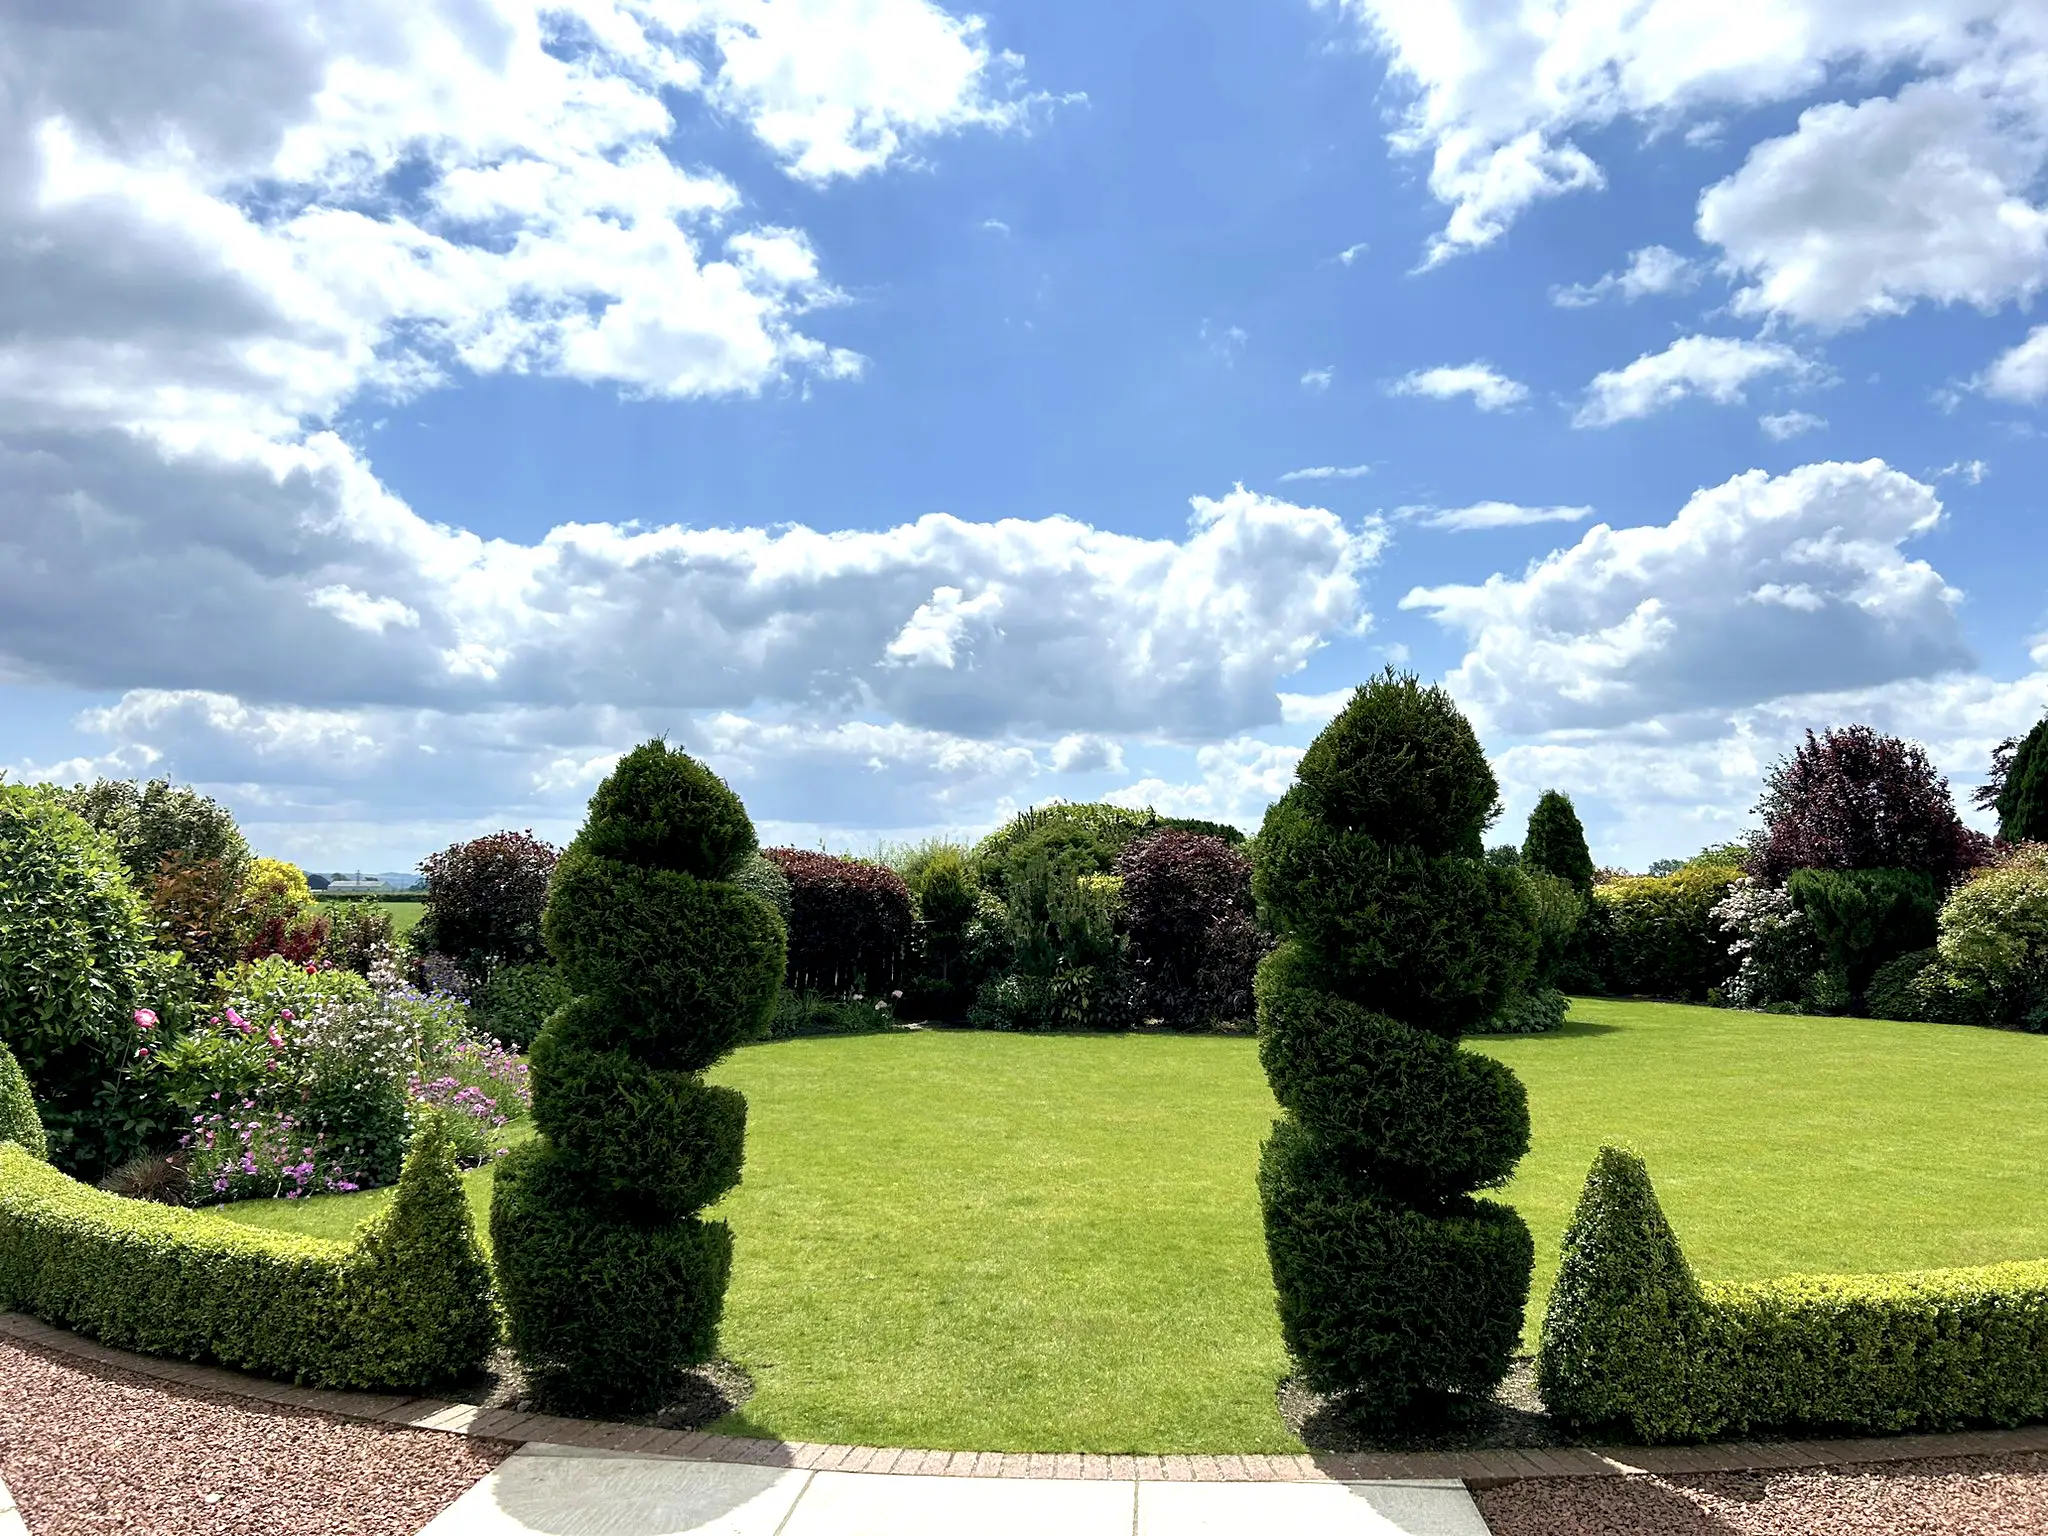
(1027, 1243)
(403, 914)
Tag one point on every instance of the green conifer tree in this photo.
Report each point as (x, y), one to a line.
(613, 1285)
(2023, 801)
(1399, 937)
(1556, 843)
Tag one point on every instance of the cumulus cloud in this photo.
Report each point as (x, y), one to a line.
(1489, 389)
(2021, 372)
(1864, 209)
(1717, 368)
(1501, 94)
(1760, 587)
(1500, 514)
(1653, 269)
(1318, 378)
(1782, 425)
(1234, 781)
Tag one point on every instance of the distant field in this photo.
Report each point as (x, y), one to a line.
(404, 914)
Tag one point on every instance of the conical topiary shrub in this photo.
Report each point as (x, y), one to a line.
(1399, 937)
(1625, 1313)
(19, 1122)
(612, 1284)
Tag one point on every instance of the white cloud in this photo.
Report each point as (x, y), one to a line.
(1969, 471)
(1235, 782)
(1652, 270)
(1489, 389)
(1318, 378)
(1500, 514)
(2021, 372)
(1864, 209)
(1329, 472)
(1715, 367)
(1086, 754)
(1351, 253)
(1760, 587)
(1500, 92)
(1781, 425)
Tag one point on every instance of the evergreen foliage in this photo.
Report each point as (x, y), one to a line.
(1866, 917)
(612, 1284)
(1625, 1310)
(2022, 802)
(76, 965)
(19, 1122)
(1398, 938)
(1556, 843)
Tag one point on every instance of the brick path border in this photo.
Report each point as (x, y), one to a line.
(1477, 1469)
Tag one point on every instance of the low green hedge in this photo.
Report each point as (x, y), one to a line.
(1633, 1343)
(406, 1304)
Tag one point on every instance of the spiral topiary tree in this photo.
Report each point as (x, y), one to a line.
(612, 1283)
(1393, 1280)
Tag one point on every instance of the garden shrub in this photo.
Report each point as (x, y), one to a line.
(1398, 938)
(1854, 799)
(1625, 1313)
(1895, 990)
(1099, 832)
(612, 1284)
(86, 1000)
(1661, 935)
(800, 1014)
(359, 935)
(1531, 1011)
(849, 923)
(19, 1122)
(195, 909)
(405, 1305)
(517, 1000)
(159, 821)
(1556, 843)
(1994, 943)
(277, 915)
(1630, 1343)
(1773, 944)
(764, 877)
(1864, 917)
(958, 934)
(484, 902)
(1189, 916)
(1061, 935)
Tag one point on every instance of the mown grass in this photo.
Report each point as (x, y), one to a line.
(404, 915)
(1029, 1243)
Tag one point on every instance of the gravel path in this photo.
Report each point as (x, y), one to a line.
(92, 1449)
(1959, 1496)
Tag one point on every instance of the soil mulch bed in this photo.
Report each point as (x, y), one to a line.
(1514, 1418)
(88, 1448)
(1955, 1496)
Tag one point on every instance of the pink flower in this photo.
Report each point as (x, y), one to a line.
(142, 1050)
(144, 1019)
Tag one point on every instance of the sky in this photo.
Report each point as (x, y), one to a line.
(921, 411)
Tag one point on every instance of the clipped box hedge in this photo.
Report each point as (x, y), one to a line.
(1633, 1343)
(406, 1303)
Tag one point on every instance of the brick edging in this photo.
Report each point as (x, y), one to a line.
(1478, 1469)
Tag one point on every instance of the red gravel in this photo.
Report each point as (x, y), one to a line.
(1955, 1496)
(92, 1449)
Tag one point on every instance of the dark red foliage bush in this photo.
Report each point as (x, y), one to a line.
(297, 941)
(1852, 798)
(485, 899)
(849, 923)
(1187, 901)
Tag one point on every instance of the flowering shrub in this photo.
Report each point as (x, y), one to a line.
(250, 1154)
(481, 1088)
(313, 1078)
(1772, 942)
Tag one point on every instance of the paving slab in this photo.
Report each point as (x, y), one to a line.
(892, 1504)
(1422, 1508)
(544, 1490)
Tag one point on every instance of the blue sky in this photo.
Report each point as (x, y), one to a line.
(923, 411)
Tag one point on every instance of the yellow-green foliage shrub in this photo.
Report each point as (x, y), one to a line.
(1632, 1343)
(1661, 937)
(406, 1304)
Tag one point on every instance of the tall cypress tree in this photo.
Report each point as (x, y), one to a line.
(612, 1283)
(1399, 937)
(2023, 800)
(1556, 843)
